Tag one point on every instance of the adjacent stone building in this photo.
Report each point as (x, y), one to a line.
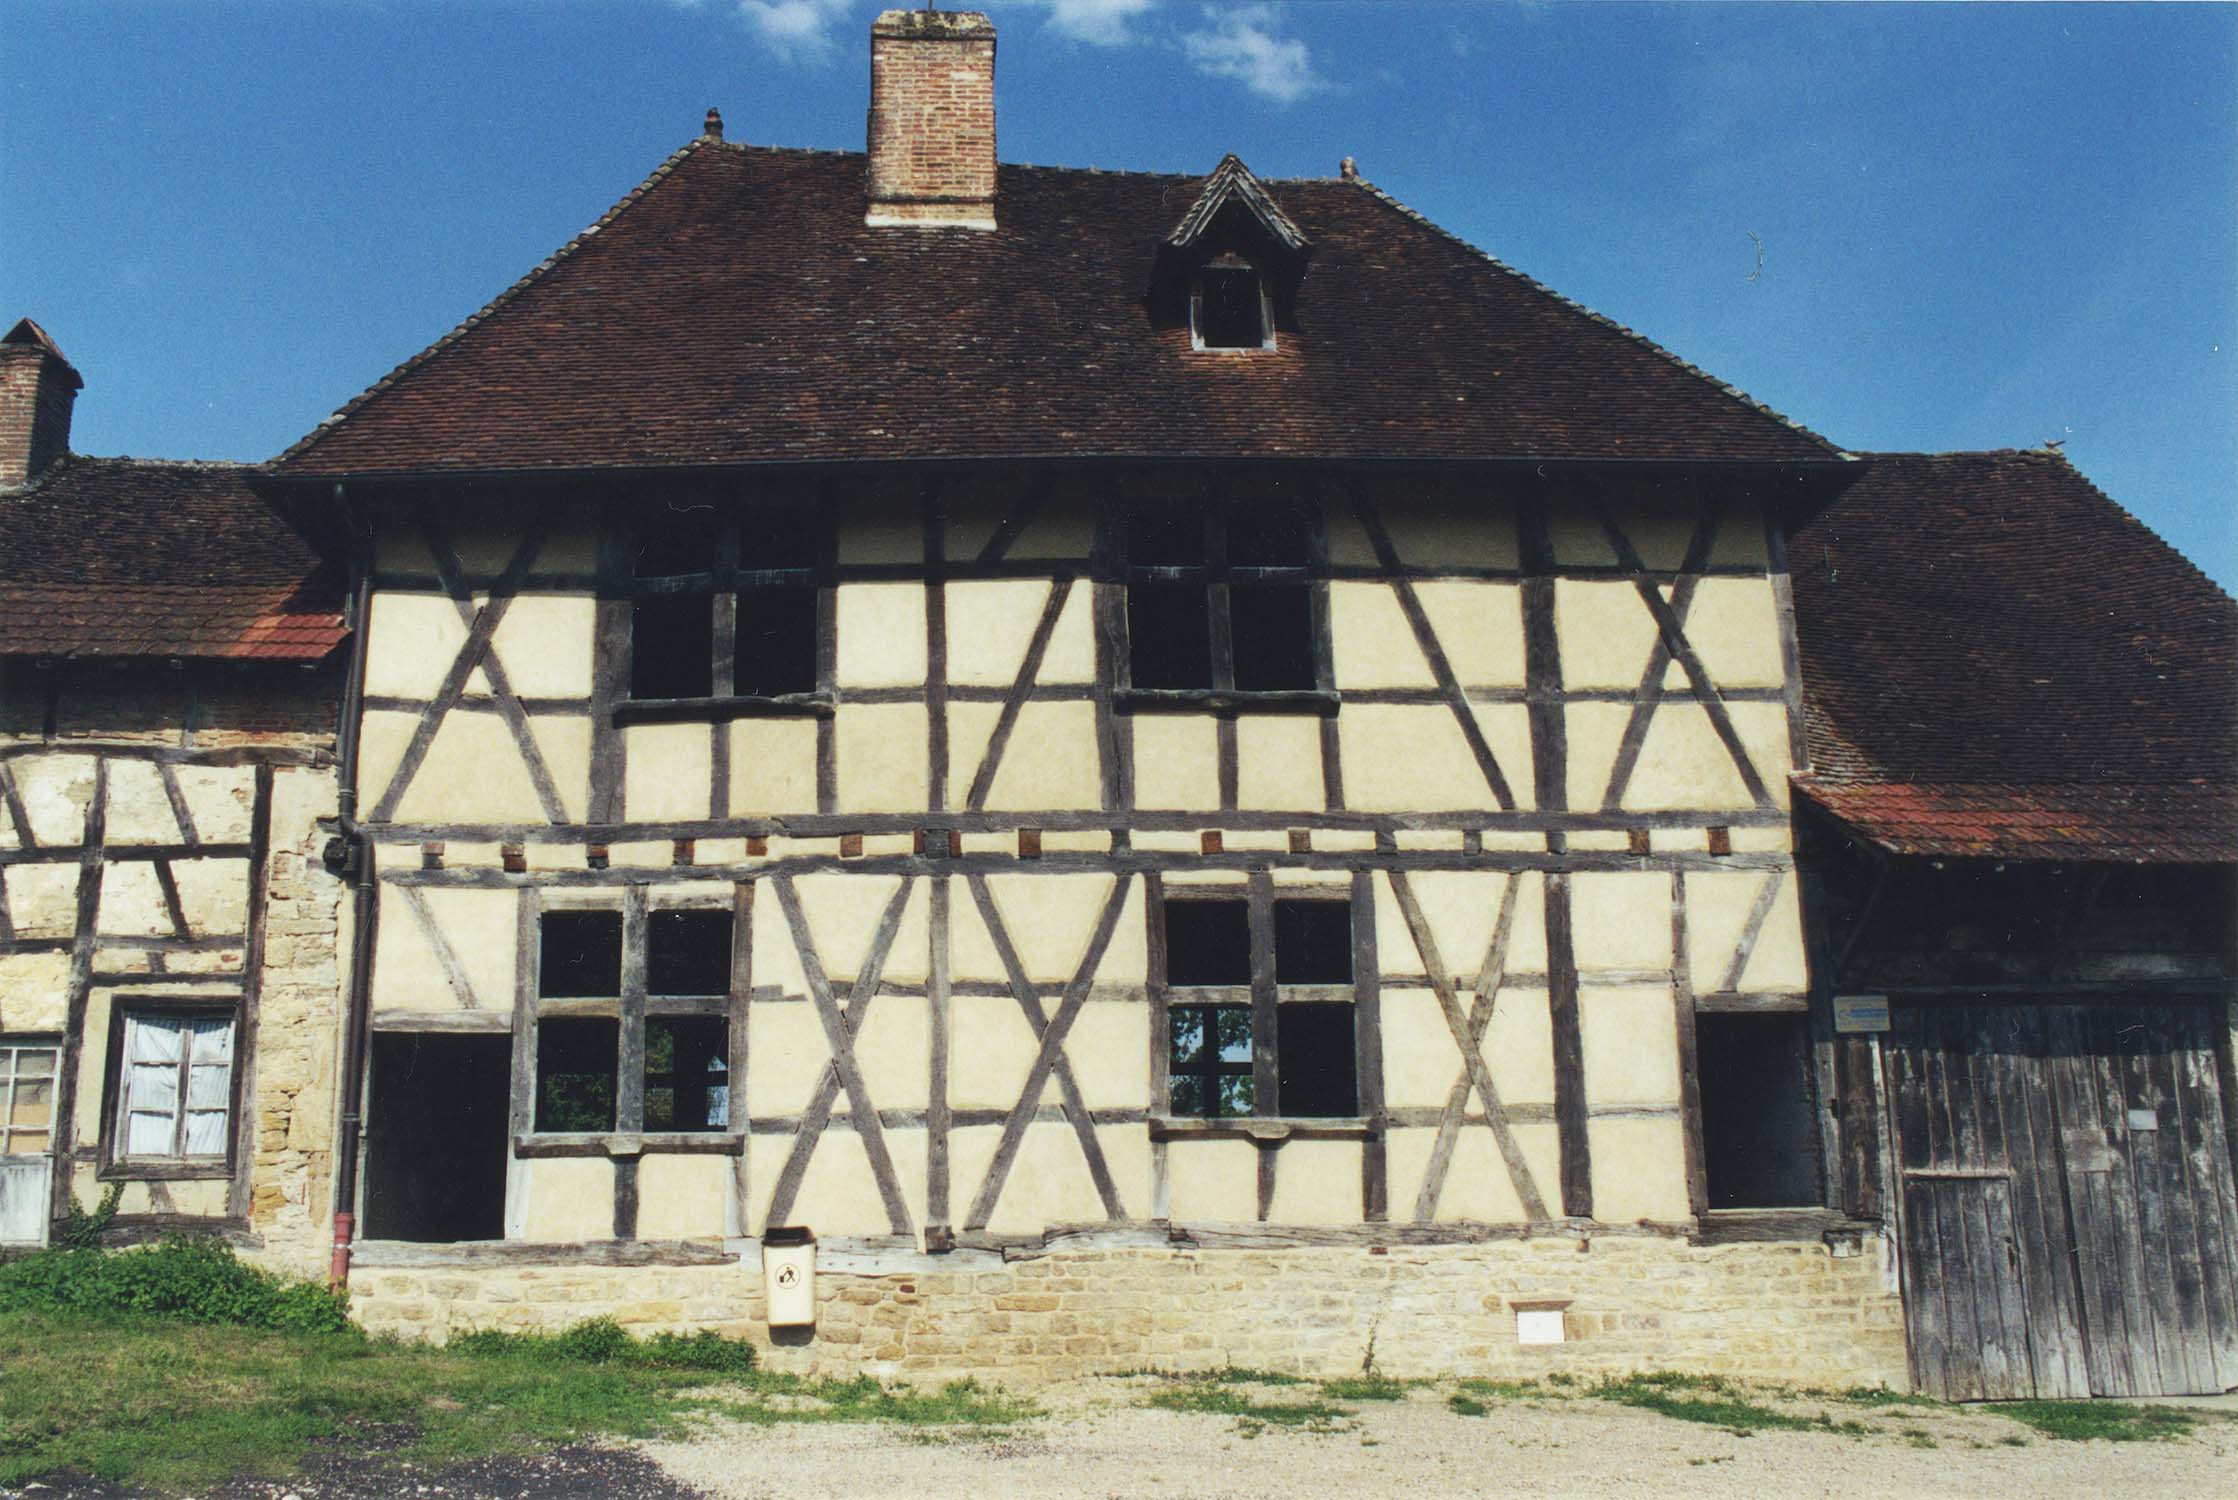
(1181, 770)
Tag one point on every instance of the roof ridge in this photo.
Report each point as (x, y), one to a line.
(1724, 387)
(535, 274)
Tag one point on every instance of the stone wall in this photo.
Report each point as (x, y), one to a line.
(1782, 1311)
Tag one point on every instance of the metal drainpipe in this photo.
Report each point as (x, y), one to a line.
(356, 855)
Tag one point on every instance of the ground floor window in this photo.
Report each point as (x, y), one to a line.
(26, 1097)
(1759, 1147)
(174, 1096)
(1259, 1014)
(435, 1137)
(628, 1054)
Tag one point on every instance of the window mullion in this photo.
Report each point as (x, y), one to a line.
(186, 1078)
(1216, 600)
(1266, 1074)
(629, 1083)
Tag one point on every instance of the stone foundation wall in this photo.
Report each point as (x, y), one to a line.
(1781, 1311)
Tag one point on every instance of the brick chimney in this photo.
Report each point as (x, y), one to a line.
(37, 390)
(932, 120)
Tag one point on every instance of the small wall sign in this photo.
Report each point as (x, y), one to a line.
(1860, 1013)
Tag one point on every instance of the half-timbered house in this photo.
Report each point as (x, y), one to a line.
(1177, 769)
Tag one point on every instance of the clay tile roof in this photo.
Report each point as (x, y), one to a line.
(1233, 182)
(1998, 661)
(734, 309)
(119, 557)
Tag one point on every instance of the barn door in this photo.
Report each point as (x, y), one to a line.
(2148, 1183)
(26, 1131)
(1989, 1291)
(2075, 1158)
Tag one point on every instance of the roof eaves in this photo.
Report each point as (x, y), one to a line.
(1726, 388)
(544, 268)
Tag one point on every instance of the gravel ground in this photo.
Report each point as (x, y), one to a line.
(1099, 1441)
(581, 1472)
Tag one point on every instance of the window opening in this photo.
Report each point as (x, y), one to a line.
(684, 1042)
(726, 606)
(687, 1073)
(26, 1098)
(435, 1147)
(1758, 1140)
(1221, 599)
(576, 1062)
(1231, 308)
(178, 1085)
(1217, 1012)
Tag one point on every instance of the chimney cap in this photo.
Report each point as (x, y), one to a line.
(713, 128)
(1349, 170)
(934, 25)
(29, 335)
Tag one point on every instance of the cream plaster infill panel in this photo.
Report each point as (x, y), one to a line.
(1373, 645)
(34, 991)
(1734, 628)
(480, 927)
(1480, 627)
(843, 912)
(138, 811)
(1476, 531)
(881, 630)
(1639, 1169)
(43, 899)
(1213, 1181)
(772, 767)
(885, 530)
(1461, 909)
(545, 644)
(56, 791)
(1050, 920)
(1740, 539)
(565, 743)
(991, 622)
(222, 799)
(1605, 630)
(881, 761)
(1410, 758)
(1421, 1060)
(1630, 1038)
(991, 1049)
(411, 641)
(213, 893)
(473, 773)
(683, 1197)
(666, 772)
(894, 1048)
(1109, 1049)
(1717, 907)
(1051, 761)
(839, 1195)
(1621, 920)
(1278, 763)
(1316, 1182)
(568, 1200)
(1177, 763)
(1049, 1182)
(786, 1056)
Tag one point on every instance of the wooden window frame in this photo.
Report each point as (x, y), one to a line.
(1230, 264)
(630, 1009)
(1218, 576)
(115, 1163)
(1263, 996)
(723, 584)
(12, 1077)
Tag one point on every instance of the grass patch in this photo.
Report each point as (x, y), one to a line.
(1466, 1406)
(1881, 1395)
(1206, 1398)
(2107, 1421)
(1704, 1399)
(193, 1280)
(1369, 1387)
(771, 1400)
(1515, 1390)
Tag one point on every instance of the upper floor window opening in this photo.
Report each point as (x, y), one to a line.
(1221, 600)
(727, 605)
(1228, 307)
(1259, 1014)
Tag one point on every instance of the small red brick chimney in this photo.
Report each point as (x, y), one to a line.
(37, 390)
(932, 120)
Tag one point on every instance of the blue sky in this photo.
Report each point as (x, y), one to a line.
(1979, 226)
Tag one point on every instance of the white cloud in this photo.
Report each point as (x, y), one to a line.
(795, 30)
(1242, 42)
(1099, 23)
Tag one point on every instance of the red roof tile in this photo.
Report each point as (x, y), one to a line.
(1999, 661)
(735, 309)
(119, 557)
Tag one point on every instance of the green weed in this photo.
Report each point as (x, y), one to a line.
(1467, 1406)
(1701, 1398)
(1207, 1399)
(2108, 1421)
(1369, 1387)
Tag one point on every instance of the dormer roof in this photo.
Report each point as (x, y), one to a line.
(1232, 183)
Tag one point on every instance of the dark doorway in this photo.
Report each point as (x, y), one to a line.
(435, 1145)
(1758, 1147)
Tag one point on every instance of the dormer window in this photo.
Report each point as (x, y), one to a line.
(1235, 261)
(1228, 309)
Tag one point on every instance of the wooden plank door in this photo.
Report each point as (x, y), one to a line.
(2147, 1176)
(1962, 1292)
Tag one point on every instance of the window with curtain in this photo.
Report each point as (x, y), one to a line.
(177, 1095)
